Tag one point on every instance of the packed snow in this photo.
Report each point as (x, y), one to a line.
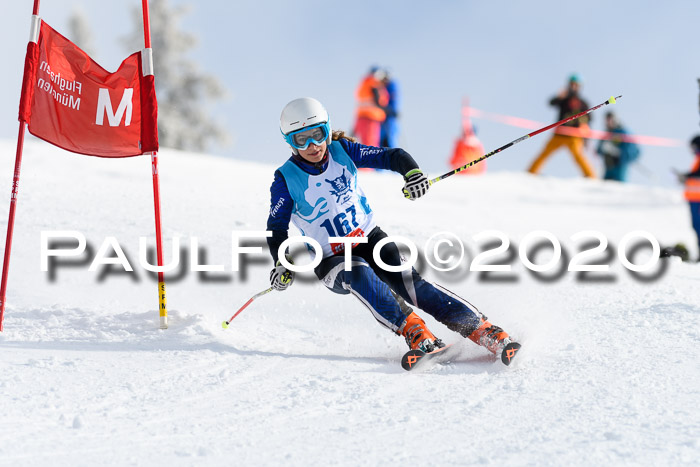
(608, 374)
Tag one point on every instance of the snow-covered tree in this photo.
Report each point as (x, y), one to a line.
(80, 32)
(183, 91)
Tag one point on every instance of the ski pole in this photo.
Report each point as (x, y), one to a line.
(225, 324)
(645, 170)
(612, 100)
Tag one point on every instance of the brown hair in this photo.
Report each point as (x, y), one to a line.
(340, 134)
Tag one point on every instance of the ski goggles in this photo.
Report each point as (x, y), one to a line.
(301, 139)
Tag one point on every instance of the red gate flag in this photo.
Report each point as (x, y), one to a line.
(72, 102)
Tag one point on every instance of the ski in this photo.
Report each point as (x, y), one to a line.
(414, 359)
(509, 352)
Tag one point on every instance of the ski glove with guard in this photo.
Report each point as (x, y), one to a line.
(281, 277)
(417, 184)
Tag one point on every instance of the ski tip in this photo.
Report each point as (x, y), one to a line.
(509, 351)
(411, 358)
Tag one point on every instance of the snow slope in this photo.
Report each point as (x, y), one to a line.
(608, 374)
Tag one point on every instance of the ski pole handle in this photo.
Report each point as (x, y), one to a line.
(259, 294)
(612, 100)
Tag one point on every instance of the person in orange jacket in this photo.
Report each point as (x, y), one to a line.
(468, 148)
(372, 98)
(569, 103)
(692, 188)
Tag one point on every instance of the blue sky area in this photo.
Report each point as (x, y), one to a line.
(507, 57)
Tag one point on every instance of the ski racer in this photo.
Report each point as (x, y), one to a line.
(317, 189)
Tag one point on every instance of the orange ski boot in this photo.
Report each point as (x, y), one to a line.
(496, 340)
(418, 336)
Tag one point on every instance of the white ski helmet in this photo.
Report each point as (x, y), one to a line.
(303, 113)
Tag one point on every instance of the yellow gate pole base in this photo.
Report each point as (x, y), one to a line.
(162, 304)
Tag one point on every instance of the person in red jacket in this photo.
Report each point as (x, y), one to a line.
(467, 147)
(372, 98)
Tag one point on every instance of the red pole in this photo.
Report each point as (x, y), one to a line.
(146, 24)
(11, 221)
(13, 197)
(162, 302)
(466, 118)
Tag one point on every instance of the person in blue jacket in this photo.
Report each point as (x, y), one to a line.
(317, 189)
(390, 126)
(617, 153)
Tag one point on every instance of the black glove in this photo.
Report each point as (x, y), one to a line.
(680, 176)
(281, 277)
(417, 184)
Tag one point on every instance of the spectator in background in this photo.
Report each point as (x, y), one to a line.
(390, 127)
(617, 153)
(372, 99)
(692, 187)
(467, 147)
(569, 103)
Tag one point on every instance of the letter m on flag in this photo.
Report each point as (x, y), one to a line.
(104, 106)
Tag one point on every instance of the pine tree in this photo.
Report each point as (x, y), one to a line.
(183, 91)
(80, 32)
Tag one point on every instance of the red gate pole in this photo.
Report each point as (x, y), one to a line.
(148, 55)
(11, 222)
(162, 301)
(34, 36)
